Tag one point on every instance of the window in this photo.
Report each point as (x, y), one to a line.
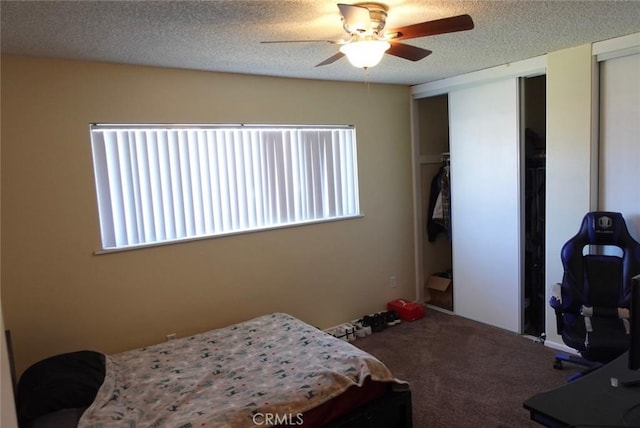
(159, 184)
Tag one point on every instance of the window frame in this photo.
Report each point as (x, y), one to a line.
(217, 127)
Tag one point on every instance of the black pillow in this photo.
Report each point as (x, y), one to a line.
(63, 381)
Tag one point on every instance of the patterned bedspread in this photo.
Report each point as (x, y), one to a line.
(231, 377)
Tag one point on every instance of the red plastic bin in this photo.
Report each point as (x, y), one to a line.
(408, 311)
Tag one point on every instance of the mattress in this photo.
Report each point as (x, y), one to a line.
(268, 371)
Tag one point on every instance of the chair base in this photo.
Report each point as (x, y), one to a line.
(577, 360)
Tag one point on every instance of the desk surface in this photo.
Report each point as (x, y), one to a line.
(591, 400)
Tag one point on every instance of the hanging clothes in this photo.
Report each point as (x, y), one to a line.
(439, 219)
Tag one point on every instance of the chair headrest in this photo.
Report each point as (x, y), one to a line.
(604, 228)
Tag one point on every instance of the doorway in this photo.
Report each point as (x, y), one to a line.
(433, 151)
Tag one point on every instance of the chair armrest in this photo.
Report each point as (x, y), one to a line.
(556, 303)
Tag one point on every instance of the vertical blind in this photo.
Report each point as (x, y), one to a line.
(162, 184)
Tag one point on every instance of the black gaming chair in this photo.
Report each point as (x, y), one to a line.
(592, 303)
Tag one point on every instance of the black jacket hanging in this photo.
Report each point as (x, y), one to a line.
(434, 227)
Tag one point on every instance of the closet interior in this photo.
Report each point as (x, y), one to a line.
(534, 205)
(434, 155)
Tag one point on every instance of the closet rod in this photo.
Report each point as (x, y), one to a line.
(434, 159)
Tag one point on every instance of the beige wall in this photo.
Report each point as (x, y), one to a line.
(58, 297)
(8, 417)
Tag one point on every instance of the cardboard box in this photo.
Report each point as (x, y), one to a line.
(440, 289)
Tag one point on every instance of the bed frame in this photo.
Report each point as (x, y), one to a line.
(392, 410)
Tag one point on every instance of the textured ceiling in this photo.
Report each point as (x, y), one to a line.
(225, 35)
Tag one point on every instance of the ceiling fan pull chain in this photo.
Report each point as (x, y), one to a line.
(368, 83)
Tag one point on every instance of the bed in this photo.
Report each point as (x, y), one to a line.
(274, 370)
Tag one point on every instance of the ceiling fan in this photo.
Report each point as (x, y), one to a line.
(368, 42)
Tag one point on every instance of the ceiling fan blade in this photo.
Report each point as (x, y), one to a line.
(331, 59)
(430, 28)
(356, 18)
(412, 53)
(302, 41)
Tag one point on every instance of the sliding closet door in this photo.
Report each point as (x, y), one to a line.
(485, 202)
(619, 183)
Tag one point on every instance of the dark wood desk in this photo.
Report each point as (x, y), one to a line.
(591, 401)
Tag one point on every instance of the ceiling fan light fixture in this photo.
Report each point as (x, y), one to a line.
(365, 53)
